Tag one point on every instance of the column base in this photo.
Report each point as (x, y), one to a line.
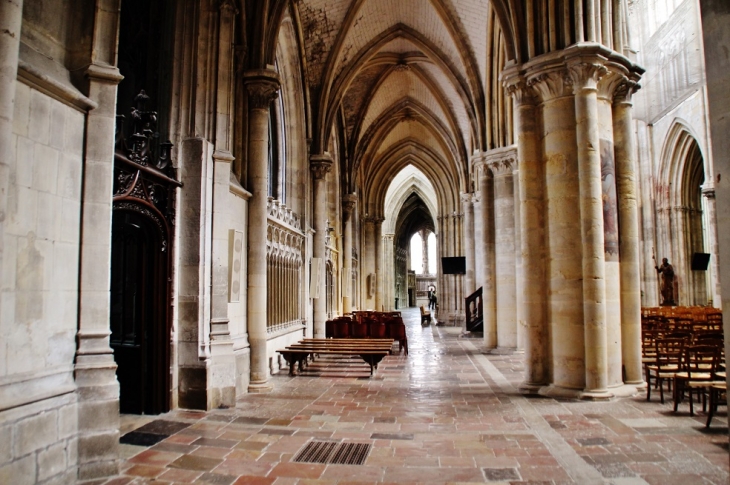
(260, 387)
(530, 389)
(596, 395)
(624, 390)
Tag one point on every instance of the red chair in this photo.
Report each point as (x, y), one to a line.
(359, 330)
(329, 329)
(342, 328)
(376, 329)
(397, 331)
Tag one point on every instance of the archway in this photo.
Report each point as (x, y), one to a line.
(682, 226)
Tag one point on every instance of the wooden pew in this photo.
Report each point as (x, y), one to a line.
(372, 351)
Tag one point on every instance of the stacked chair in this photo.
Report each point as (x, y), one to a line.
(683, 348)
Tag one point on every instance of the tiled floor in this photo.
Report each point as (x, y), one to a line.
(446, 413)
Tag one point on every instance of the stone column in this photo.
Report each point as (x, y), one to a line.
(487, 248)
(262, 86)
(221, 373)
(424, 249)
(708, 191)
(368, 265)
(348, 207)
(585, 74)
(628, 218)
(519, 297)
(468, 241)
(320, 165)
(532, 229)
(11, 19)
(388, 272)
(95, 368)
(378, 241)
(504, 244)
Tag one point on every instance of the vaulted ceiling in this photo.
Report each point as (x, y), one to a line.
(404, 80)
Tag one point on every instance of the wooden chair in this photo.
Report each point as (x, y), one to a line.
(697, 370)
(397, 332)
(718, 395)
(376, 329)
(668, 355)
(425, 317)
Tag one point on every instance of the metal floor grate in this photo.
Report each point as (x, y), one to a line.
(334, 453)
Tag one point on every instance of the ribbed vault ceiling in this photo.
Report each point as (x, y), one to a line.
(398, 72)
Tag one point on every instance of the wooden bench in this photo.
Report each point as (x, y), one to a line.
(425, 316)
(371, 351)
(297, 356)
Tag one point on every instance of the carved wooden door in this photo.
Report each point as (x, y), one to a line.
(138, 317)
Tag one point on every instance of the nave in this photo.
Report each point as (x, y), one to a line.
(448, 412)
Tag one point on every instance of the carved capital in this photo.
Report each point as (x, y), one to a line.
(467, 197)
(320, 165)
(263, 87)
(708, 192)
(521, 91)
(586, 74)
(625, 90)
(501, 161)
(551, 85)
(228, 7)
(349, 202)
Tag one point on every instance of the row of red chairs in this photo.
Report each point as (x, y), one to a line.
(368, 327)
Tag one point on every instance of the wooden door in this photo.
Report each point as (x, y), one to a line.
(139, 329)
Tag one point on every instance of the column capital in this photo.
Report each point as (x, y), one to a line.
(552, 84)
(320, 165)
(263, 87)
(349, 201)
(502, 161)
(586, 73)
(228, 7)
(467, 197)
(625, 90)
(709, 191)
(516, 85)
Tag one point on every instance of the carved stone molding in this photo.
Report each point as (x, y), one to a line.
(467, 197)
(263, 87)
(586, 74)
(625, 91)
(349, 202)
(501, 161)
(708, 192)
(551, 85)
(320, 165)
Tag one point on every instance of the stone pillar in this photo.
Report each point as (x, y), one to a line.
(262, 86)
(320, 165)
(504, 231)
(563, 246)
(388, 272)
(468, 241)
(11, 19)
(708, 191)
(378, 242)
(519, 297)
(585, 73)
(487, 248)
(221, 373)
(628, 218)
(95, 368)
(532, 229)
(348, 207)
(368, 265)
(424, 249)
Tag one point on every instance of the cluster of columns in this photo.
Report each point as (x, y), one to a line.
(580, 306)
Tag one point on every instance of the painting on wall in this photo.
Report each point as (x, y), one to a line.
(610, 207)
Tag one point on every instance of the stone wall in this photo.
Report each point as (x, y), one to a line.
(40, 291)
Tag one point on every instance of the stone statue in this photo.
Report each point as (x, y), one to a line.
(667, 288)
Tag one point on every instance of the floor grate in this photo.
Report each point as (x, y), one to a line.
(334, 453)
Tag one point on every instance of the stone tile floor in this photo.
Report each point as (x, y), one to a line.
(448, 413)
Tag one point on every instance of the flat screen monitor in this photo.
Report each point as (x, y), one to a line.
(454, 265)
